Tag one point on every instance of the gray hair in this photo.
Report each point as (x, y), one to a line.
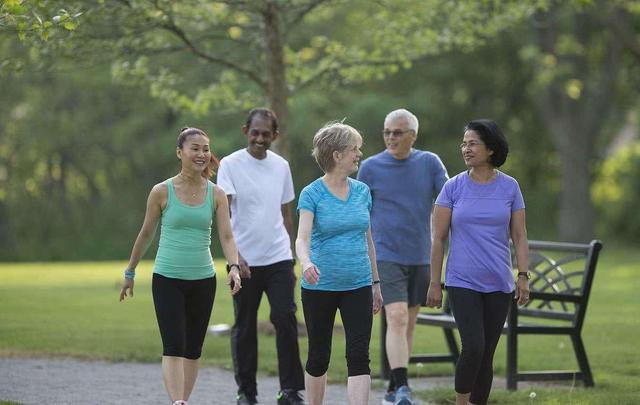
(333, 137)
(406, 115)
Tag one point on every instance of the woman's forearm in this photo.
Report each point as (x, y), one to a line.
(437, 258)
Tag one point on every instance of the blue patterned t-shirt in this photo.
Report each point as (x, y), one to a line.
(338, 236)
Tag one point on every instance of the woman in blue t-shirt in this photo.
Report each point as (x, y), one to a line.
(338, 262)
(482, 207)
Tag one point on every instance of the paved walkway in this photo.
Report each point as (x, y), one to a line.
(70, 381)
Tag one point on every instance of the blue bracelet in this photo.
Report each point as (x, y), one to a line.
(129, 274)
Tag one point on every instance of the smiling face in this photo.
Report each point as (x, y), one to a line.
(398, 138)
(349, 159)
(194, 153)
(259, 134)
(474, 151)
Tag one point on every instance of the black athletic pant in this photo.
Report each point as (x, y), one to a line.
(356, 311)
(278, 282)
(480, 318)
(183, 309)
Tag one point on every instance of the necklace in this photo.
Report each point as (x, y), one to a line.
(184, 179)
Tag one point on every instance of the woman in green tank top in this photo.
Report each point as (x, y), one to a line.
(184, 281)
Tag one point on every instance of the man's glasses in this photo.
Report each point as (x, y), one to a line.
(397, 133)
(471, 144)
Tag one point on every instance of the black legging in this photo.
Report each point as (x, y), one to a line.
(183, 309)
(356, 311)
(480, 318)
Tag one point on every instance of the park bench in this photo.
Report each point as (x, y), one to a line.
(561, 280)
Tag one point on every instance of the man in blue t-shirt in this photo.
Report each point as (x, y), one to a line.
(404, 182)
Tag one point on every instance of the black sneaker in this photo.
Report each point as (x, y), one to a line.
(244, 399)
(290, 397)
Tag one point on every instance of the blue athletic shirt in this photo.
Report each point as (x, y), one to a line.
(339, 235)
(403, 192)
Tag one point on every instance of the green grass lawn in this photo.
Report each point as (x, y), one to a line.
(72, 309)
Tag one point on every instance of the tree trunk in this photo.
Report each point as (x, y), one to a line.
(575, 123)
(277, 92)
(576, 212)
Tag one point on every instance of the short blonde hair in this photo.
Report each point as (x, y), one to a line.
(333, 137)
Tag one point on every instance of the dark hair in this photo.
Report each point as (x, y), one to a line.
(265, 113)
(493, 139)
(213, 161)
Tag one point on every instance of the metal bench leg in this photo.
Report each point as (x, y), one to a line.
(581, 356)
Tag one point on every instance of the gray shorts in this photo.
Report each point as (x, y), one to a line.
(400, 283)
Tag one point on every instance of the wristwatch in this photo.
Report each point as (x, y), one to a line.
(524, 274)
(232, 265)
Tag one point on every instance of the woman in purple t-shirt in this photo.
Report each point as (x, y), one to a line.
(483, 208)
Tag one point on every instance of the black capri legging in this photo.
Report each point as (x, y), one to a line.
(183, 309)
(480, 318)
(356, 311)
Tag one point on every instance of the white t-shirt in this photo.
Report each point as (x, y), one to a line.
(259, 189)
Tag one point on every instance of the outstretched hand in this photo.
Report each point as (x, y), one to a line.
(311, 274)
(233, 279)
(245, 270)
(522, 291)
(127, 285)
(377, 298)
(434, 295)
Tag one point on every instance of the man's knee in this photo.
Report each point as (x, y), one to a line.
(397, 315)
(283, 319)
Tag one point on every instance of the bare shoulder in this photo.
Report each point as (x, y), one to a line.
(219, 193)
(159, 189)
(159, 193)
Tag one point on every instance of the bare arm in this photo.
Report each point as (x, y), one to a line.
(223, 222)
(310, 272)
(155, 202)
(288, 221)
(377, 295)
(440, 229)
(245, 271)
(519, 237)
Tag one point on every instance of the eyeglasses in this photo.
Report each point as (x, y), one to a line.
(471, 144)
(397, 133)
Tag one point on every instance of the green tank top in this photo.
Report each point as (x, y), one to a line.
(185, 238)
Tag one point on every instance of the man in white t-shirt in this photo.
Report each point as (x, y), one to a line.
(258, 184)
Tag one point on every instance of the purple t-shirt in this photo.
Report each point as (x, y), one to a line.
(479, 255)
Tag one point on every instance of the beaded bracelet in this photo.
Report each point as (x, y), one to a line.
(129, 274)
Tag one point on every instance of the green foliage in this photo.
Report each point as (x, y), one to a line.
(202, 55)
(36, 20)
(616, 192)
(78, 152)
(76, 162)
